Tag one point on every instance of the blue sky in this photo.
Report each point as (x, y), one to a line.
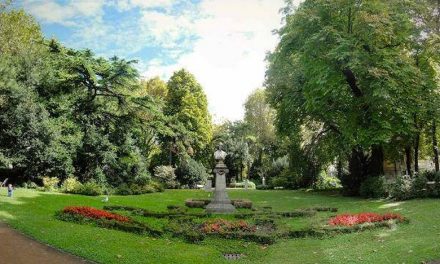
(222, 42)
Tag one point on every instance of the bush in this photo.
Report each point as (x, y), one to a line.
(430, 175)
(191, 172)
(242, 203)
(71, 185)
(166, 175)
(90, 188)
(29, 185)
(141, 189)
(326, 182)
(158, 187)
(192, 203)
(142, 180)
(419, 186)
(251, 185)
(136, 189)
(373, 187)
(263, 187)
(402, 188)
(50, 184)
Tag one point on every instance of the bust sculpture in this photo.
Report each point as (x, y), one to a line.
(220, 155)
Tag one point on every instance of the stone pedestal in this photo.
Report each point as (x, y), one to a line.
(221, 203)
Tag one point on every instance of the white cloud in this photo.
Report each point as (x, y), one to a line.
(52, 12)
(124, 5)
(228, 57)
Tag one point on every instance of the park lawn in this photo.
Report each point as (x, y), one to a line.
(32, 213)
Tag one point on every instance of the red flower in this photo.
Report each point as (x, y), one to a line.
(93, 213)
(361, 218)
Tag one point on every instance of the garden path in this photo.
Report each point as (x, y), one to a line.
(16, 248)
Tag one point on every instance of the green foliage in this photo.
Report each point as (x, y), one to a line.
(420, 186)
(90, 188)
(166, 175)
(343, 81)
(401, 189)
(374, 187)
(187, 103)
(71, 185)
(326, 182)
(50, 184)
(191, 172)
(251, 185)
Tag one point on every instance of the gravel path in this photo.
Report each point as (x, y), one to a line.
(16, 248)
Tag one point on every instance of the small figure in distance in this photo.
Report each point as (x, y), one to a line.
(10, 190)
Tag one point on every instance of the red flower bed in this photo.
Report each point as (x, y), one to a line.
(361, 218)
(222, 226)
(90, 212)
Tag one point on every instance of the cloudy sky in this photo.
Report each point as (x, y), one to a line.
(222, 42)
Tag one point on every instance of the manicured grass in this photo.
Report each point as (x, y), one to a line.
(33, 213)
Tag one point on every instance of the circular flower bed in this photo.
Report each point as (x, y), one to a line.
(93, 213)
(362, 218)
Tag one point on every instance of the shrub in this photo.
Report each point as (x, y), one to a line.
(123, 189)
(191, 172)
(326, 182)
(50, 184)
(251, 185)
(419, 186)
(90, 188)
(141, 189)
(401, 189)
(71, 185)
(29, 185)
(136, 189)
(192, 203)
(142, 180)
(242, 203)
(158, 187)
(166, 175)
(430, 175)
(263, 187)
(373, 187)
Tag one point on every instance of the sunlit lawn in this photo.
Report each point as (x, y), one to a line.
(33, 213)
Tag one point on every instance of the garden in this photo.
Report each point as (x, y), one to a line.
(284, 227)
(131, 132)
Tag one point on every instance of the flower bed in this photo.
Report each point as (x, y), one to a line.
(105, 219)
(93, 213)
(362, 218)
(223, 226)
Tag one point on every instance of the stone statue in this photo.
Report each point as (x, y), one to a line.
(220, 155)
(221, 204)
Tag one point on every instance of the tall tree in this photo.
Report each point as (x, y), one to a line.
(187, 102)
(343, 71)
(259, 118)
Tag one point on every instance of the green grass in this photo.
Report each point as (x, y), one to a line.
(32, 213)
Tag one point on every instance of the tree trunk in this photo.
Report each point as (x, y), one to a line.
(434, 145)
(357, 167)
(408, 160)
(375, 163)
(416, 152)
(339, 167)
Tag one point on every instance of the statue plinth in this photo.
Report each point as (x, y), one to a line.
(221, 204)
